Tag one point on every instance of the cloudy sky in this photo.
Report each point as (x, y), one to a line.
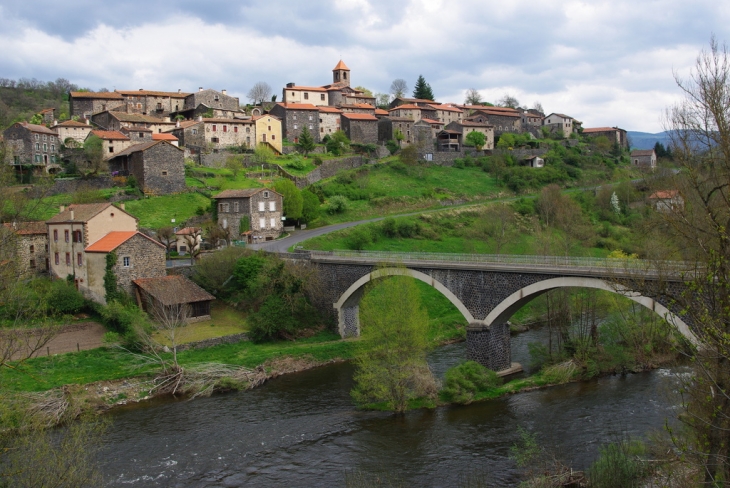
(602, 62)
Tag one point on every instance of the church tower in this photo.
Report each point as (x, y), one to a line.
(341, 74)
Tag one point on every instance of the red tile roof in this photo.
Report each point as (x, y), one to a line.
(333, 110)
(82, 212)
(353, 116)
(187, 231)
(142, 147)
(380, 111)
(664, 194)
(72, 123)
(38, 128)
(105, 95)
(600, 129)
(407, 106)
(153, 93)
(110, 135)
(242, 193)
(27, 228)
(340, 65)
(447, 108)
(164, 137)
(115, 239)
(298, 106)
(306, 88)
(431, 121)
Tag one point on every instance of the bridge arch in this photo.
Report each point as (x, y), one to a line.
(348, 306)
(502, 312)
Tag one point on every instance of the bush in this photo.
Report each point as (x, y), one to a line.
(360, 237)
(124, 319)
(296, 163)
(618, 466)
(317, 161)
(271, 320)
(392, 146)
(65, 299)
(464, 381)
(337, 204)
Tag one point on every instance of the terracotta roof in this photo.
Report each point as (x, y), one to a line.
(125, 117)
(431, 121)
(72, 123)
(419, 100)
(82, 212)
(227, 121)
(111, 241)
(141, 147)
(498, 113)
(642, 152)
(664, 194)
(600, 129)
(447, 108)
(406, 106)
(352, 116)
(174, 289)
(187, 231)
(471, 123)
(110, 135)
(187, 123)
(135, 128)
(298, 106)
(164, 137)
(241, 193)
(27, 228)
(105, 95)
(153, 93)
(38, 128)
(380, 111)
(333, 110)
(46, 110)
(340, 65)
(359, 105)
(306, 88)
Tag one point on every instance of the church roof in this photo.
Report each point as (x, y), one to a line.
(340, 66)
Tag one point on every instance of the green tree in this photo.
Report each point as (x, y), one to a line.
(94, 152)
(310, 206)
(305, 145)
(293, 201)
(422, 89)
(37, 119)
(473, 97)
(391, 357)
(235, 165)
(338, 143)
(476, 139)
(364, 90)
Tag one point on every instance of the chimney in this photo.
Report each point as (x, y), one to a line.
(121, 205)
(200, 89)
(62, 207)
(177, 123)
(291, 85)
(141, 89)
(88, 122)
(224, 91)
(199, 118)
(72, 214)
(179, 90)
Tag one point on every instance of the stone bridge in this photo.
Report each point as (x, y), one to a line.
(488, 289)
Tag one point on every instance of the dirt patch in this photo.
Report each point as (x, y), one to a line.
(72, 338)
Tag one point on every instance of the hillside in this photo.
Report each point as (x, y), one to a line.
(646, 140)
(20, 100)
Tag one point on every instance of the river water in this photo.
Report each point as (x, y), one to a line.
(302, 430)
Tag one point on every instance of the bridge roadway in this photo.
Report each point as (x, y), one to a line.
(488, 289)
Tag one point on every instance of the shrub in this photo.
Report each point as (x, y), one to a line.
(463, 382)
(271, 320)
(336, 204)
(317, 161)
(296, 163)
(618, 466)
(392, 146)
(65, 298)
(388, 228)
(359, 238)
(124, 319)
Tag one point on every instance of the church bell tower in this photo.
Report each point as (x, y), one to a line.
(341, 74)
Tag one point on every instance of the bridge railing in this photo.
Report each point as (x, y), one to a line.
(531, 261)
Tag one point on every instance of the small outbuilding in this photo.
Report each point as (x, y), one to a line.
(173, 295)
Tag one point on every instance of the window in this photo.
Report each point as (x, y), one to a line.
(269, 128)
(295, 126)
(32, 249)
(55, 258)
(292, 93)
(111, 149)
(262, 206)
(53, 147)
(45, 137)
(194, 131)
(248, 130)
(36, 137)
(68, 259)
(32, 263)
(164, 173)
(159, 106)
(262, 223)
(263, 137)
(273, 137)
(182, 249)
(216, 98)
(37, 146)
(215, 128)
(65, 235)
(248, 140)
(310, 118)
(266, 194)
(55, 235)
(306, 96)
(214, 139)
(294, 117)
(79, 259)
(273, 223)
(272, 206)
(235, 129)
(125, 261)
(46, 247)
(141, 135)
(37, 158)
(321, 96)
(310, 127)
(235, 207)
(77, 236)
(225, 128)
(226, 207)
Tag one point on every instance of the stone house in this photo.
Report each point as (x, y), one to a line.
(86, 104)
(358, 108)
(406, 111)
(644, 158)
(357, 97)
(74, 228)
(35, 145)
(466, 126)
(313, 95)
(447, 113)
(149, 102)
(448, 140)
(268, 131)
(183, 238)
(167, 295)
(72, 130)
(29, 247)
(560, 123)
(203, 101)
(387, 127)
(215, 134)
(336, 94)
(421, 102)
(435, 125)
(190, 134)
(138, 256)
(360, 128)
(329, 120)
(614, 134)
(294, 117)
(502, 118)
(534, 161)
(253, 215)
(158, 167)
(380, 113)
(531, 119)
(666, 201)
(48, 115)
(110, 120)
(137, 134)
(112, 141)
(166, 137)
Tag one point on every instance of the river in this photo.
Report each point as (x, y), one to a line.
(302, 430)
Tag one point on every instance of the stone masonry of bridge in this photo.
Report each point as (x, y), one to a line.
(487, 294)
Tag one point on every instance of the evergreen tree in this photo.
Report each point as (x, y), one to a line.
(306, 142)
(422, 89)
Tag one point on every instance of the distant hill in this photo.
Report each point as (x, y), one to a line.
(646, 140)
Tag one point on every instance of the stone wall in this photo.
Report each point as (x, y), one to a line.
(216, 341)
(327, 169)
(72, 185)
(360, 131)
(146, 260)
(160, 169)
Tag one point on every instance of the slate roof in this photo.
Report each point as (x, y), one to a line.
(141, 147)
(82, 212)
(173, 290)
(38, 128)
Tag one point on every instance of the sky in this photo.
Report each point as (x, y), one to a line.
(605, 63)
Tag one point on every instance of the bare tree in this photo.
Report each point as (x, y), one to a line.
(538, 106)
(398, 88)
(194, 240)
(259, 93)
(382, 100)
(166, 235)
(473, 97)
(508, 101)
